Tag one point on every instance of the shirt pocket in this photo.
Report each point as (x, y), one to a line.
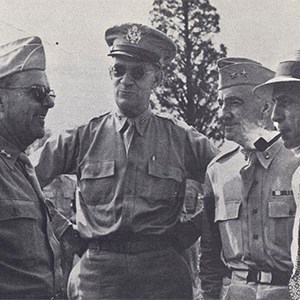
(165, 181)
(18, 230)
(282, 210)
(97, 182)
(227, 216)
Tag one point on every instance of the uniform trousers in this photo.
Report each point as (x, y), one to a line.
(239, 290)
(100, 274)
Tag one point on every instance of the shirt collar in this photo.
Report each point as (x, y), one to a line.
(140, 121)
(8, 151)
(266, 157)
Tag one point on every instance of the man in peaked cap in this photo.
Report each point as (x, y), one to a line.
(29, 252)
(131, 165)
(249, 208)
(285, 91)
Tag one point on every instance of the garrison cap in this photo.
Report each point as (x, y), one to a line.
(287, 71)
(22, 55)
(234, 71)
(140, 42)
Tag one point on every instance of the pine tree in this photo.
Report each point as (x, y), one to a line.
(189, 90)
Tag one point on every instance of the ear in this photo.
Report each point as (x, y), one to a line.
(159, 75)
(267, 109)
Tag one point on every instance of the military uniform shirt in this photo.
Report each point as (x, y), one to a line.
(255, 216)
(29, 256)
(296, 191)
(141, 193)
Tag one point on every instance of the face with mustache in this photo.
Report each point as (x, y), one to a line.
(242, 114)
(22, 112)
(286, 113)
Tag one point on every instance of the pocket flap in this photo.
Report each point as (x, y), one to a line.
(164, 171)
(282, 208)
(99, 169)
(15, 209)
(227, 211)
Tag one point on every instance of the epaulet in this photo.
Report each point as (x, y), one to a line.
(223, 155)
(172, 119)
(103, 114)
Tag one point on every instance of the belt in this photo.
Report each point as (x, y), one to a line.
(274, 278)
(138, 245)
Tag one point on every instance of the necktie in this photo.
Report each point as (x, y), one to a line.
(294, 284)
(128, 132)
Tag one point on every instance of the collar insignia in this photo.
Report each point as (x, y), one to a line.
(3, 152)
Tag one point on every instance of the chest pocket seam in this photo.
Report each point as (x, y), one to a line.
(282, 207)
(16, 209)
(229, 211)
(164, 171)
(100, 169)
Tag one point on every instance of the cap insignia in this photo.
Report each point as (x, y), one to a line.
(244, 73)
(133, 34)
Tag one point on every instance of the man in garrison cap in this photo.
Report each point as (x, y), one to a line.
(29, 251)
(285, 91)
(131, 165)
(249, 207)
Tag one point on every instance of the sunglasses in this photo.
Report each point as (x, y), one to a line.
(38, 91)
(137, 72)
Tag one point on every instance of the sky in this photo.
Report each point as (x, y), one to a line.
(76, 53)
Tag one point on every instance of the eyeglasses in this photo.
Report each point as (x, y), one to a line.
(137, 72)
(39, 92)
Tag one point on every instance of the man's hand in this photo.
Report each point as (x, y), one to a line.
(72, 243)
(186, 233)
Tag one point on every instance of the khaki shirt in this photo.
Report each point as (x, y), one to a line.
(142, 193)
(255, 217)
(295, 243)
(29, 252)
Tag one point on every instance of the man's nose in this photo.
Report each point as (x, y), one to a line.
(224, 114)
(48, 102)
(277, 114)
(127, 78)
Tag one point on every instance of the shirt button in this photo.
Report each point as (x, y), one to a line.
(255, 211)
(255, 182)
(267, 155)
(255, 236)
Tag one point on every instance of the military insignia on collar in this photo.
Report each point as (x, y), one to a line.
(3, 152)
(133, 34)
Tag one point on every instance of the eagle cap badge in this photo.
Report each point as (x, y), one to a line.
(134, 34)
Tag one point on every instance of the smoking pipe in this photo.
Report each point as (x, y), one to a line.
(261, 144)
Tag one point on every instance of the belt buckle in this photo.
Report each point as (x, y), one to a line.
(264, 277)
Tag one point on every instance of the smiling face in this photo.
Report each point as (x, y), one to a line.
(286, 113)
(132, 90)
(241, 113)
(22, 114)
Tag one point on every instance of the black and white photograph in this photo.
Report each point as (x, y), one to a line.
(150, 149)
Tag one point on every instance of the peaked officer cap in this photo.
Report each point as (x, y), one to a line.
(140, 42)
